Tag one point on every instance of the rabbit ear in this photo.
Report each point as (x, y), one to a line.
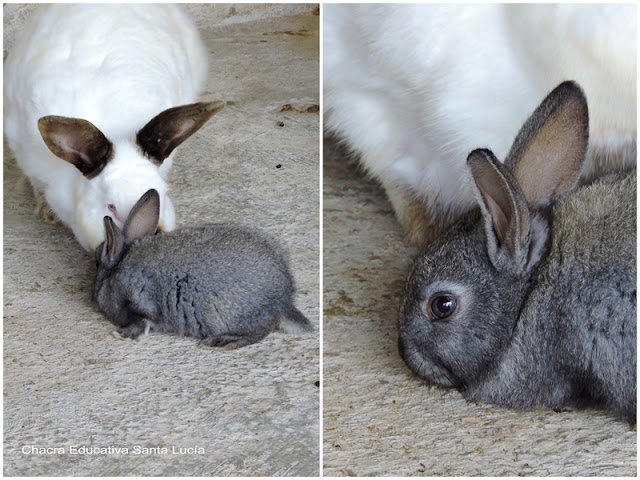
(167, 130)
(113, 244)
(143, 218)
(505, 212)
(549, 151)
(76, 141)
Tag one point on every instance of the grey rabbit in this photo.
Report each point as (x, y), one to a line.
(226, 284)
(530, 299)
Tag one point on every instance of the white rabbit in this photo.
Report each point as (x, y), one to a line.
(414, 88)
(91, 77)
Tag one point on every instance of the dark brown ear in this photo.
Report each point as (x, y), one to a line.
(167, 130)
(76, 141)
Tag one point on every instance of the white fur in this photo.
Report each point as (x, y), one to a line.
(415, 88)
(116, 66)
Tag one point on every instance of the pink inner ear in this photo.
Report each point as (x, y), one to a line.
(498, 217)
(112, 208)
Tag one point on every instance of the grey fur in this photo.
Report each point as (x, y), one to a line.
(223, 283)
(543, 276)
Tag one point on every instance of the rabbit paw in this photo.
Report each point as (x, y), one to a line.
(133, 331)
(228, 341)
(563, 409)
(117, 335)
(43, 210)
(417, 220)
(203, 346)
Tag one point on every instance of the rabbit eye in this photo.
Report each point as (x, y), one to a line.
(441, 306)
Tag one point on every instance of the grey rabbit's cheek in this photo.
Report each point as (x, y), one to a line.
(419, 360)
(101, 289)
(115, 307)
(430, 346)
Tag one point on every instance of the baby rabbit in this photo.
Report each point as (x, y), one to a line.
(92, 96)
(225, 284)
(413, 88)
(530, 299)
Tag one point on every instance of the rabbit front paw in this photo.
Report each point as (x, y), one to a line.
(43, 210)
(230, 341)
(134, 330)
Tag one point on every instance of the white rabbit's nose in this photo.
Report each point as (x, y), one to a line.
(114, 211)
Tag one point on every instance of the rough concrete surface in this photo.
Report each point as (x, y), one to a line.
(379, 419)
(203, 14)
(253, 411)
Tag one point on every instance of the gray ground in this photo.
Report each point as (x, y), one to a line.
(255, 411)
(381, 420)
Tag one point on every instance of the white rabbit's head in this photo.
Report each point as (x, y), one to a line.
(117, 173)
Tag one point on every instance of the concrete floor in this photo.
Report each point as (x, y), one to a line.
(254, 411)
(379, 419)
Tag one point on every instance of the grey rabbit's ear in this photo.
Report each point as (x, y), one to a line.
(549, 151)
(543, 165)
(76, 141)
(113, 244)
(505, 212)
(170, 128)
(143, 218)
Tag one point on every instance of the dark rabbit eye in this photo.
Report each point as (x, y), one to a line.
(441, 306)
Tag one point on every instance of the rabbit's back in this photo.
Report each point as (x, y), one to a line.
(214, 278)
(114, 65)
(595, 227)
(584, 303)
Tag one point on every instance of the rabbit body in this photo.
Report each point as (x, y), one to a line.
(414, 88)
(565, 334)
(582, 306)
(117, 67)
(540, 308)
(222, 283)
